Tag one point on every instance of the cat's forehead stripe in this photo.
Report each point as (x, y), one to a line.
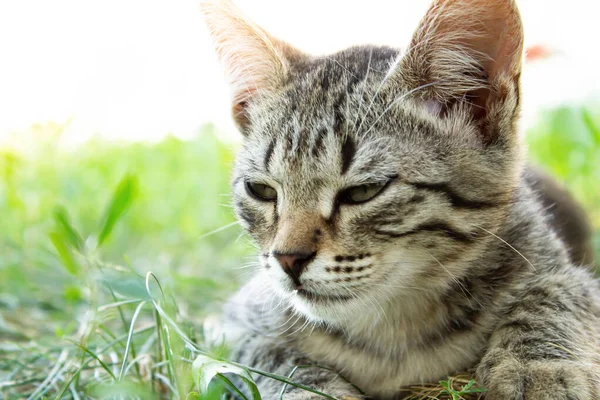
(348, 152)
(269, 154)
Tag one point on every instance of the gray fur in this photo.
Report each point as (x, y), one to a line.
(453, 266)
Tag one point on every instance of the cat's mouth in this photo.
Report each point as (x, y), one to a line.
(320, 297)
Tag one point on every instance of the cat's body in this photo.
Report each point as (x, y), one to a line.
(422, 337)
(401, 241)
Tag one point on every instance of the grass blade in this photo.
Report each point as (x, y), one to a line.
(130, 338)
(125, 327)
(169, 358)
(193, 346)
(121, 201)
(205, 369)
(231, 386)
(84, 365)
(64, 253)
(61, 217)
(94, 356)
(43, 387)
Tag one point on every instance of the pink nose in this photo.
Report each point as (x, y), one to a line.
(294, 264)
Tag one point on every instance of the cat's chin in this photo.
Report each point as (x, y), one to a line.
(328, 308)
(319, 298)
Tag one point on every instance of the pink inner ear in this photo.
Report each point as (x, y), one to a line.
(433, 106)
(253, 60)
(463, 46)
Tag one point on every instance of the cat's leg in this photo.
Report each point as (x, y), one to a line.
(547, 346)
(281, 357)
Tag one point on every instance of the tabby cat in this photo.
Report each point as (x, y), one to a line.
(401, 240)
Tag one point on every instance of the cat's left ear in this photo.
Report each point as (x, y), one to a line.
(468, 53)
(254, 61)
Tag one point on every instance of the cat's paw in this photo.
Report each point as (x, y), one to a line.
(507, 378)
(302, 395)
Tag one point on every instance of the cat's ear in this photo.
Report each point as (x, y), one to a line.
(467, 52)
(254, 61)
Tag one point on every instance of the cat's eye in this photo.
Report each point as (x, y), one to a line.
(261, 191)
(362, 193)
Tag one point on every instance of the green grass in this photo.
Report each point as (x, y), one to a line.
(80, 231)
(112, 255)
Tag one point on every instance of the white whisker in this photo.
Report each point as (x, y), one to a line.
(362, 92)
(219, 229)
(508, 244)
(396, 101)
(385, 78)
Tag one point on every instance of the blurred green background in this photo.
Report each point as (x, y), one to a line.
(81, 227)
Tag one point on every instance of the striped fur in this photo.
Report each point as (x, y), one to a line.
(453, 265)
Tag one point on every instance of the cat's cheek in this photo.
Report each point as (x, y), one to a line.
(402, 264)
(274, 276)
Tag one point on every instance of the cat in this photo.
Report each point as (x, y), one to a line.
(401, 239)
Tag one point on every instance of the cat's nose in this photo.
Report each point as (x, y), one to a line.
(294, 263)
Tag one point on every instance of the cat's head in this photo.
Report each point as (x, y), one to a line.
(373, 173)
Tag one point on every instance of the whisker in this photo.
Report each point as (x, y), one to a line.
(508, 244)
(301, 328)
(342, 66)
(362, 92)
(383, 313)
(219, 230)
(385, 78)
(468, 295)
(396, 101)
(249, 265)
(385, 285)
(361, 298)
(298, 317)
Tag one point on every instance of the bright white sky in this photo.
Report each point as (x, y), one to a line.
(141, 69)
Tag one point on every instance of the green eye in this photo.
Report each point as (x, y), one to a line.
(362, 193)
(261, 192)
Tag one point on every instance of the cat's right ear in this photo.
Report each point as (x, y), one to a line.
(255, 62)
